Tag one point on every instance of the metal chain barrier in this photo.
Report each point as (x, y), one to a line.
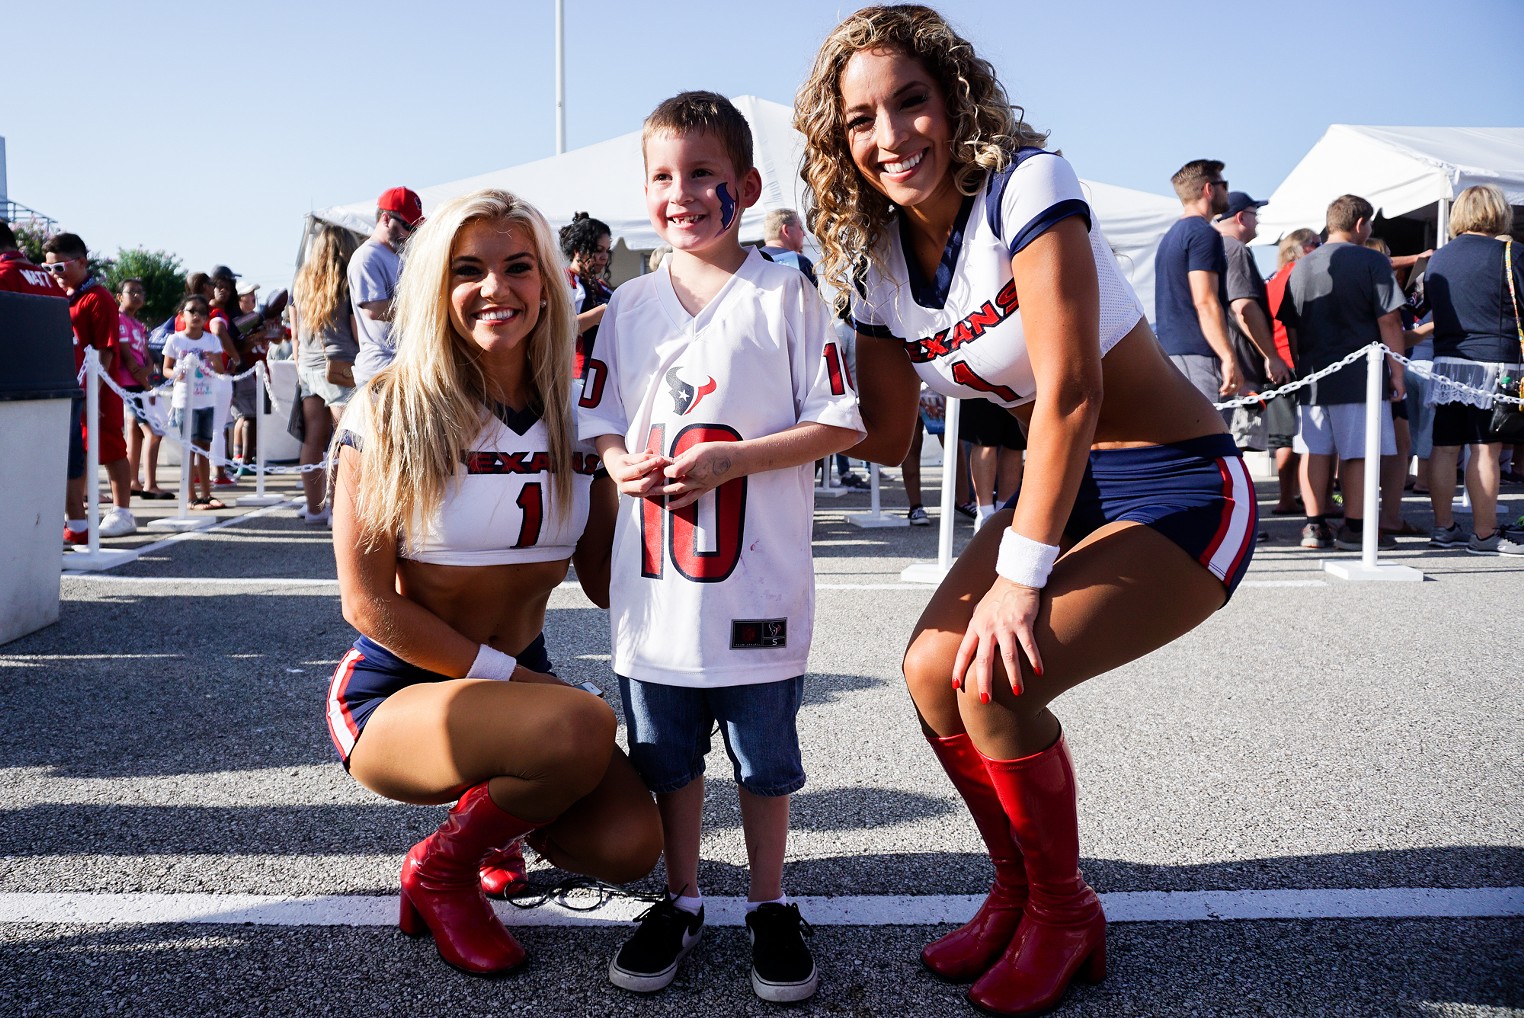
(1257, 398)
(216, 458)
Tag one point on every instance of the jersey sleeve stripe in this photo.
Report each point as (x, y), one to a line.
(1049, 218)
(873, 331)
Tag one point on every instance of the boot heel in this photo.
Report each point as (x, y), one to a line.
(1094, 968)
(409, 921)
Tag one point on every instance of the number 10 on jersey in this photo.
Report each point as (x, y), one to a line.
(703, 539)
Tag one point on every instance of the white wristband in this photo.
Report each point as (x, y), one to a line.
(1025, 561)
(492, 664)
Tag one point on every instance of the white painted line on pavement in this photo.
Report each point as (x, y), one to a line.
(206, 581)
(186, 535)
(845, 910)
(291, 581)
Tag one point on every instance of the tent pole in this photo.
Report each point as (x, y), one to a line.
(560, 76)
(1444, 224)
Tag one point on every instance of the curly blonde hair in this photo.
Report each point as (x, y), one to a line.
(844, 213)
(432, 401)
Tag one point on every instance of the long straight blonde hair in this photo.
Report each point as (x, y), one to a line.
(322, 284)
(432, 402)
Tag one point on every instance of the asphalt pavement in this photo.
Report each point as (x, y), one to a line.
(165, 739)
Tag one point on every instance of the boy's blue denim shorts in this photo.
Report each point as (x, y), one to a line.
(669, 729)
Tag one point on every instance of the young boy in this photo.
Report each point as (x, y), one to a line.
(718, 384)
(194, 394)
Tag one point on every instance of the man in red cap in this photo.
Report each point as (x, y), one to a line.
(373, 273)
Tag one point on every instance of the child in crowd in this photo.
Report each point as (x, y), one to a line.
(194, 393)
(717, 384)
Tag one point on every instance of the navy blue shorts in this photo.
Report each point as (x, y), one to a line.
(369, 673)
(1198, 493)
(669, 729)
(76, 438)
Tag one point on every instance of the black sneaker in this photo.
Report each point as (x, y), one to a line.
(782, 968)
(648, 960)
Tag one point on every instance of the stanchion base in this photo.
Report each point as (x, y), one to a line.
(874, 520)
(833, 492)
(260, 500)
(923, 572)
(1357, 571)
(105, 558)
(175, 523)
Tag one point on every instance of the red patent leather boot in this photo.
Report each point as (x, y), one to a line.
(441, 887)
(964, 954)
(503, 871)
(1062, 936)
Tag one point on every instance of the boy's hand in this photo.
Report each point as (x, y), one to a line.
(701, 468)
(638, 474)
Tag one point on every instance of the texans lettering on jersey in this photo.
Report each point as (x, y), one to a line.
(962, 329)
(721, 592)
(499, 508)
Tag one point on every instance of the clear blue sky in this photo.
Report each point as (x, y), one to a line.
(210, 130)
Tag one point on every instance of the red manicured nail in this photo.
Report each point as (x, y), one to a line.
(957, 684)
(1037, 671)
(984, 698)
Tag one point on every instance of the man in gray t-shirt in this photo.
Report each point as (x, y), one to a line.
(373, 274)
(1339, 298)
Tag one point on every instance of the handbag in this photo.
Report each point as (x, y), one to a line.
(1508, 418)
(340, 373)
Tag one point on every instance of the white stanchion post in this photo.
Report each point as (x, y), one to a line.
(94, 557)
(1375, 406)
(825, 487)
(875, 517)
(1372, 494)
(262, 379)
(182, 520)
(93, 447)
(934, 572)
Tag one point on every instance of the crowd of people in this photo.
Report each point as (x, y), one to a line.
(492, 413)
(1335, 292)
(203, 355)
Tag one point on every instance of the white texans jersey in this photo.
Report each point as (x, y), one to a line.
(722, 592)
(499, 508)
(962, 329)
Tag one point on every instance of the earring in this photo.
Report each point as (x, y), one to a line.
(542, 303)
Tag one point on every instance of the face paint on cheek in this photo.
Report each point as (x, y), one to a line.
(727, 206)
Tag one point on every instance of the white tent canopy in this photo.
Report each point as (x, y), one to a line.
(605, 180)
(1397, 169)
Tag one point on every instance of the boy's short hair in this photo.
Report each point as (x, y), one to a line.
(1345, 211)
(65, 245)
(1188, 179)
(197, 299)
(702, 113)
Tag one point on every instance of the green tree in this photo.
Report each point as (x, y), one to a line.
(29, 238)
(162, 275)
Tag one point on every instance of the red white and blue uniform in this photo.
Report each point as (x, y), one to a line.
(499, 510)
(963, 332)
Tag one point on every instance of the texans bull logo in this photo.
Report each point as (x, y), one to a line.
(685, 395)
